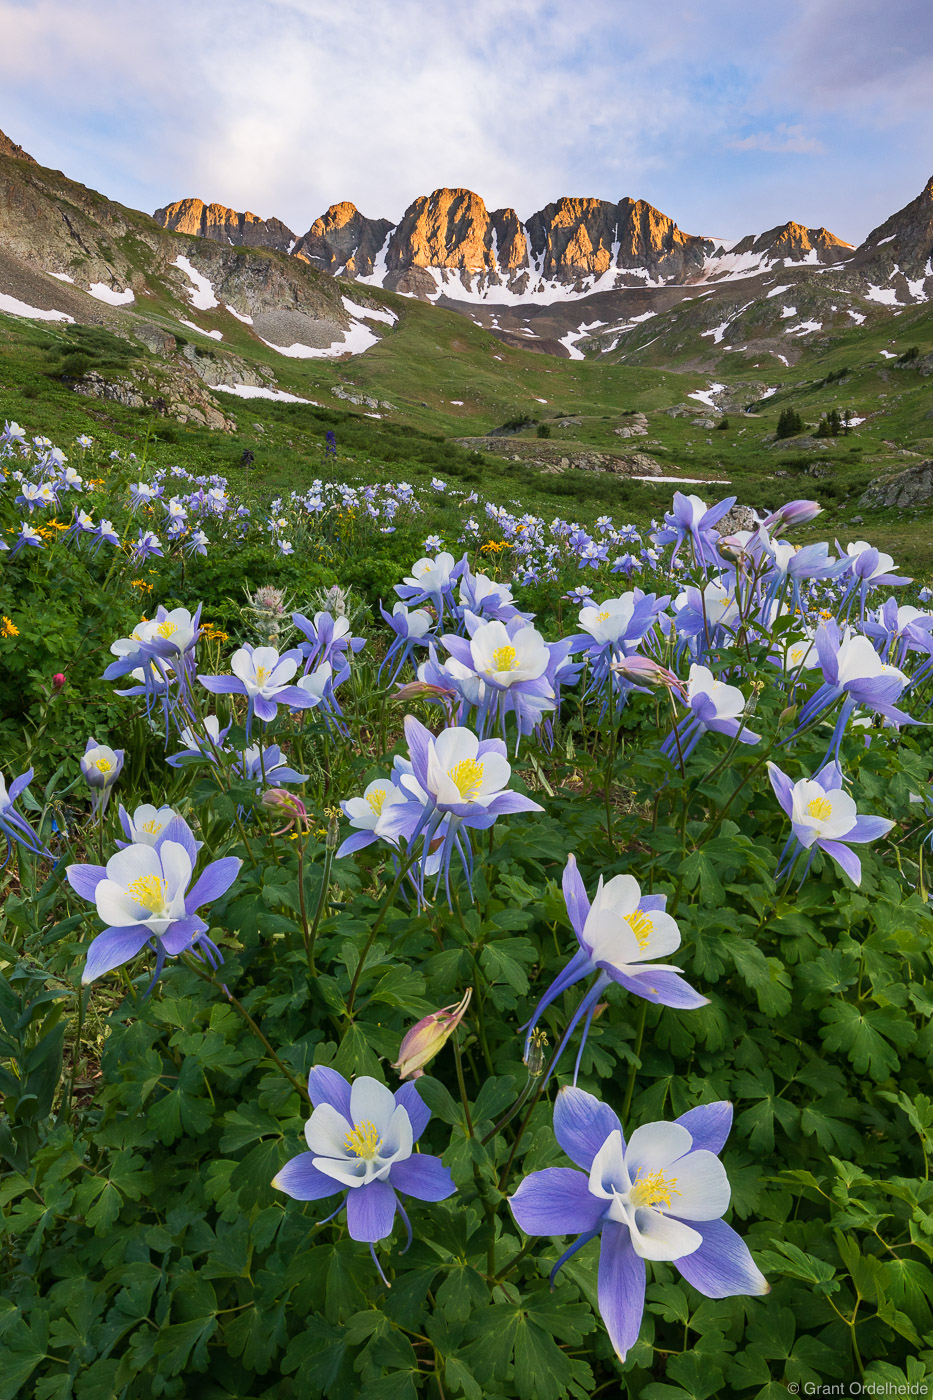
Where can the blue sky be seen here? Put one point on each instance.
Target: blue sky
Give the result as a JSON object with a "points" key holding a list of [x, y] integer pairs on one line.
{"points": [[730, 117]]}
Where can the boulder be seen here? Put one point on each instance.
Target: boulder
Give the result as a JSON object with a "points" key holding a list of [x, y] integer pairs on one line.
{"points": [[908, 488]]}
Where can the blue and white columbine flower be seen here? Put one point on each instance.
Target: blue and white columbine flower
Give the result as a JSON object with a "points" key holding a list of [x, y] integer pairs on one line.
{"points": [[143, 897], [264, 677], [662, 1196], [619, 934], [824, 817], [13, 824], [361, 1140]]}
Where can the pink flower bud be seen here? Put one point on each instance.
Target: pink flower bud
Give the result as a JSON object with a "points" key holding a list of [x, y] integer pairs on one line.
{"points": [[58, 681], [422, 1042], [291, 808], [642, 670]]}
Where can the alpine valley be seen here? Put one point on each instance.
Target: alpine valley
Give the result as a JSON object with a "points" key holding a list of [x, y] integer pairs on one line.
{"points": [[590, 349]]}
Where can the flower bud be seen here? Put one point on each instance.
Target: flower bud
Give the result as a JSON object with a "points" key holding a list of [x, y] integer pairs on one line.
{"points": [[423, 1041], [333, 815], [58, 681], [288, 806], [793, 513], [534, 1059], [642, 670]]}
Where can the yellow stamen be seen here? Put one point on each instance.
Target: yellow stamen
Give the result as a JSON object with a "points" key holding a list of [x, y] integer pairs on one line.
{"points": [[104, 765], [653, 1189], [821, 808], [503, 659], [603, 616], [166, 629], [468, 776], [376, 799], [640, 924], [153, 826], [149, 892], [262, 675], [364, 1141]]}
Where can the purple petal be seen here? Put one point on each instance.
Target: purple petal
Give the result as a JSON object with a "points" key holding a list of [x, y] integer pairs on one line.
{"points": [[215, 879], [575, 896], [223, 685], [265, 709], [459, 649], [179, 831], [556, 1201], [582, 1124], [419, 1114], [371, 1211], [722, 1266], [20, 784], [663, 988], [783, 788], [868, 829], [294, 696], [301, 1180], [327, 1086], [846, 860], [422, 1176], [419, 746], [179, 937], [621, 1287], [709, 1125], [509, 802], [111, 949], [357, 842], [84, 879]]}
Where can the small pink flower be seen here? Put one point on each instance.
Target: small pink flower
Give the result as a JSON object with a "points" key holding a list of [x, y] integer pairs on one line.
{"points": [[58, 681]]}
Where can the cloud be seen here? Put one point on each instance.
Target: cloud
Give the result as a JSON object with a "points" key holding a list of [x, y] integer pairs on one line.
{"points": [[785, 139], [286, 106]]}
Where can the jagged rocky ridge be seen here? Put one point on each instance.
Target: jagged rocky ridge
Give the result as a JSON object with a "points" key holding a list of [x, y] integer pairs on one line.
{"points": [[222, 225]]}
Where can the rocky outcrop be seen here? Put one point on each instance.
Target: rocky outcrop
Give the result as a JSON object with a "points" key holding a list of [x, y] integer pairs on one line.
{"points": [[912, 487], [10, 148], [900, 251], [577, 238], [222, 225], [344, 242], [791, 243]]}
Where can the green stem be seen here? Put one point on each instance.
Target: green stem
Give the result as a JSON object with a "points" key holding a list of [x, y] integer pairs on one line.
{"points": [[462, 1086], [77, 1050], [242, 1011], [633, 1067], [386, 905], [311, 936]]}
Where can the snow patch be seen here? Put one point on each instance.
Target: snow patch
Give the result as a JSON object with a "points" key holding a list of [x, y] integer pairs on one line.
{"points": [[247, 320], [888, 354], [457, 402], [370, 312], [201, 292], [357, 339], [776, 291], [804, 328], [787, 311], [886, 295], [214, 335], [101, 292], [889, 239], [61, 277], [689, 480], [256, 391], [857, 316], [14, 307], [705, 396]]}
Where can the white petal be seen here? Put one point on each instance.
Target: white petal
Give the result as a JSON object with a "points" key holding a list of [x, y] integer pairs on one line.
{"points": [[133, 863], [657, 1236], [371, 1102], [620, 894], [176, 867], [349, 1171], [701, 1186], [454, 745], [664, 937], [609, 1174], [116, 907], [396, 1143], [654, 1146], [611, 940], [326, 1132]]}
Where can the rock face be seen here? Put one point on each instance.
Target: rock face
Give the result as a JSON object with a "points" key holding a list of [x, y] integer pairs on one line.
{"points": [[223, 225], [900, 250], [908, 488], [792, 243], [577, 238], [344, 242], [10, 148]]}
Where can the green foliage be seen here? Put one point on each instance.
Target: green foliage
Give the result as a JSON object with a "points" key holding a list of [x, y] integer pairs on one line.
{"points": [[789, 423]]}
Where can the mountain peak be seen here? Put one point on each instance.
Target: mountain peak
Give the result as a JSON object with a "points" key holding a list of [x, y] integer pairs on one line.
{"points": [[222, 225], [10, 148]]}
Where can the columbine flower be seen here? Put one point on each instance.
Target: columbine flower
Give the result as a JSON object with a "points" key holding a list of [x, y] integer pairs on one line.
{"points": [[854, 672], [263, 677], [823, 817], [361, 1140], [660, 1197], [14, 826], [424, 1040], [101, 768], [711, 704], [619, 934], [142, 896], [691, 518], [370, 815], [146, 824]]}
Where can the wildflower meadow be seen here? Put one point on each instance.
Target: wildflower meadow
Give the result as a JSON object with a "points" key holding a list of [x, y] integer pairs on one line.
{"points": [[450, 953]]}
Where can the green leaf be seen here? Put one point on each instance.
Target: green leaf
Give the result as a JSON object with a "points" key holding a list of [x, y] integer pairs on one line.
{"points": [[866, 1035]]}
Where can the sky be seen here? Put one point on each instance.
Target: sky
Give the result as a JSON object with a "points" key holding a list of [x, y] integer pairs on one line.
{"points": [[730, 116]]}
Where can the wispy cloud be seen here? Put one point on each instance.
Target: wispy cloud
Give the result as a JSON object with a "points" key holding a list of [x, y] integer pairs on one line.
{"points": [[285, 106], [784, 139]]}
